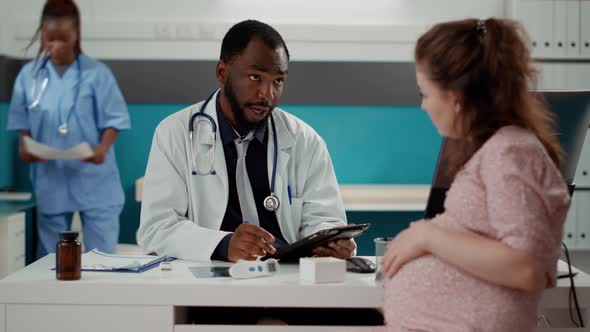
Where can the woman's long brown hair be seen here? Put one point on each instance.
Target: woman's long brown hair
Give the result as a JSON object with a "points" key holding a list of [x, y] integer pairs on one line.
{"points": [[488, 64]]}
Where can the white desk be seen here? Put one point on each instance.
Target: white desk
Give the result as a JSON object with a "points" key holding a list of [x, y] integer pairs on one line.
{"points": [[32, 300], [361, 197]]}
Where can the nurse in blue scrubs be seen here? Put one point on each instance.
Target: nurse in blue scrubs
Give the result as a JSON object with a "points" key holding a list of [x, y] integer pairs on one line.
{"points": [[63, 98]]}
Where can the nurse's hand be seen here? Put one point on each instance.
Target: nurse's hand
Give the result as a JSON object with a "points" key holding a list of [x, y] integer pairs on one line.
{"points": [[27, 157], [98, 156], [249, 242], [23, 153], [342, 249]]}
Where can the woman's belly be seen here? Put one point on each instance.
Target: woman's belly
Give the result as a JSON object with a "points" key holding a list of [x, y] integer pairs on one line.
{"points": [[430, 295]]}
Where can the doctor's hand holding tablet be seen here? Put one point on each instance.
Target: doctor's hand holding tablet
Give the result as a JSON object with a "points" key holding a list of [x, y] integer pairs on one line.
{"points": [[342, 249]]}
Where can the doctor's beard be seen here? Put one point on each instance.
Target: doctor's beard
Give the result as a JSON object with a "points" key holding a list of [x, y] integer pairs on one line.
{"points": [[243, 124]]}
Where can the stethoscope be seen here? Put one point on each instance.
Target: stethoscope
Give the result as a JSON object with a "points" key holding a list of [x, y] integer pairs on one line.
{"points": [[39, 86], [271, 202]]}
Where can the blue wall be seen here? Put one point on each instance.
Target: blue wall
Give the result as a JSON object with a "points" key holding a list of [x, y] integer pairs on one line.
{"points": [[376, 144], [368, 144], [6, 157]]}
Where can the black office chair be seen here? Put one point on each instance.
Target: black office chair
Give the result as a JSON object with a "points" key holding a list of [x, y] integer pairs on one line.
{"points": [[572, 109]]}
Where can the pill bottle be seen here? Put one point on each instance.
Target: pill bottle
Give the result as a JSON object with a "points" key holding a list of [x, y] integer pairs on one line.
{"points": [[68, 257]]}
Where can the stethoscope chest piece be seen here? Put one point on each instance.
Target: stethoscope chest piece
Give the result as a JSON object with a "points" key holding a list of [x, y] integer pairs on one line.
{"points": [[271, 203]]}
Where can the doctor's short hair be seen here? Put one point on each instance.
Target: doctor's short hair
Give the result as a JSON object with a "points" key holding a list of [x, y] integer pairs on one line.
{"points": [[239, 36]]}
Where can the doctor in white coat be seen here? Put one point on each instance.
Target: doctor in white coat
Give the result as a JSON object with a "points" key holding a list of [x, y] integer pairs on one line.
{"points": [[204, 199]]}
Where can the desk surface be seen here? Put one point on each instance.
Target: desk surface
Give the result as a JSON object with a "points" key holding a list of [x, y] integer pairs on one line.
{"points": [[37, 284]]}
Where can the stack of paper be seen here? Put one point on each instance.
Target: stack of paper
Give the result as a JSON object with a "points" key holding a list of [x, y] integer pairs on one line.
{"points": [[80, 151], [96, 260]]}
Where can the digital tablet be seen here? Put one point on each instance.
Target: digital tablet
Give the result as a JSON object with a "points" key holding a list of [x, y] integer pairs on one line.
{"points": [[305, 246]]}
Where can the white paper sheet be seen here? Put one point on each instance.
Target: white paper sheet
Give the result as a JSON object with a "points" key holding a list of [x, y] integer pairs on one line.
{"points": [[97, 260], [80, 151]]}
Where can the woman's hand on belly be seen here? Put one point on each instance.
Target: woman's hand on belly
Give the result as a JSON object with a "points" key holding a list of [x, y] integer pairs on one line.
{"points": [[407, 246]]}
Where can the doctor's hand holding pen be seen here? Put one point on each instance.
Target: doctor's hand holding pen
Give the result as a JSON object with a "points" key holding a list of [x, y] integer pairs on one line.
{"points": [[248, 242]]}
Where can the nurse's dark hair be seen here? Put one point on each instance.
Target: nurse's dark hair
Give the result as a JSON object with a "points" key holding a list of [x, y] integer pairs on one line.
{"points": [[55, 9], [488, 64], [239, 36]]}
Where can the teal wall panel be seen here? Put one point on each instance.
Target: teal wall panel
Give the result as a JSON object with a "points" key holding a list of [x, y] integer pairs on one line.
{"points": [[368, 144], [7, 150], [376, 144]]}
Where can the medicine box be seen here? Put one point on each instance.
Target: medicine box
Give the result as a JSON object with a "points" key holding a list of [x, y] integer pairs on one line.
{"points": [[322, 269]]}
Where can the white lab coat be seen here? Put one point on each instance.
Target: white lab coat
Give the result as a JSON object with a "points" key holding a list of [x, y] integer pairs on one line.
{"points": [[181, 214]]}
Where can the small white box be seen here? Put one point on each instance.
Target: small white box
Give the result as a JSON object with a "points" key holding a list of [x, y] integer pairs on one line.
{"points": [[322, 269]]}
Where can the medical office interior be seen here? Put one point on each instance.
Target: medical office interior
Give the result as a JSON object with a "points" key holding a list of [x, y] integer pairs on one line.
{"points": [[351, 77]]}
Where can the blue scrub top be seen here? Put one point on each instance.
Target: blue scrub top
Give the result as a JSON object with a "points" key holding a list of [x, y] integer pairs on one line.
{"points": [[72, 185]]}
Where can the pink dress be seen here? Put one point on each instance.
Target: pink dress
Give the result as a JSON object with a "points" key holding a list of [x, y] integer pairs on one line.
{"points": [[511, 191]]}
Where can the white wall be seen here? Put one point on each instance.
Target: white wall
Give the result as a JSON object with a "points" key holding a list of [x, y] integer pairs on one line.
{"points": [[4, 24], [331, 30], [339, 30]]}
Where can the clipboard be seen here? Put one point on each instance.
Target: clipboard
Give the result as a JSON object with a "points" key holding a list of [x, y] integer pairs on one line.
{"points": [[97, 261], [305, 246], [135, 269]]}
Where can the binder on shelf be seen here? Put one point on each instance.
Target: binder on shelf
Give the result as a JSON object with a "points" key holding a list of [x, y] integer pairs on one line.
{"points": [[585, 29], [570, 233], [560, 28], [573, 28], [582, 214]]}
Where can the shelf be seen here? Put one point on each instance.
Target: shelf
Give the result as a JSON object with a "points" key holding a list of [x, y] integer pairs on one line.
{"points": [[384, 197], [362, 197]]}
